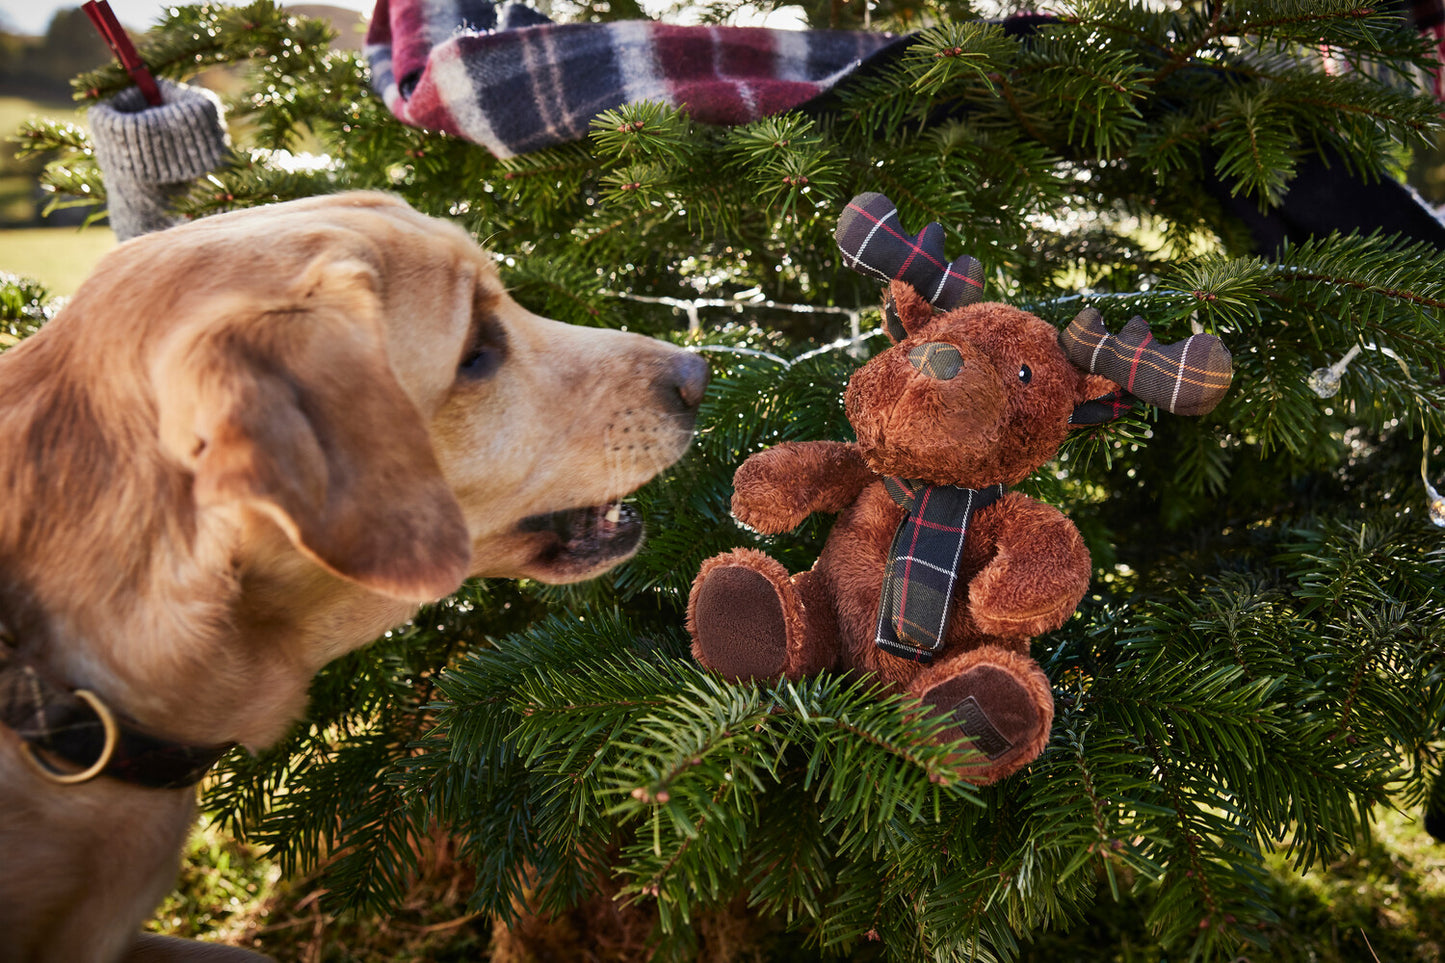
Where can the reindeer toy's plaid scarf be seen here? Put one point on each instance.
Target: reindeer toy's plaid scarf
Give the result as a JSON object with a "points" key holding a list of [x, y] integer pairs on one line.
{"points": [[922, 569], [506, 77]]}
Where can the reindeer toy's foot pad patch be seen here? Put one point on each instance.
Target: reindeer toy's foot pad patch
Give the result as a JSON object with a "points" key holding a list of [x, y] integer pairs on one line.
{"points": [[742, 613], [997, 698]]}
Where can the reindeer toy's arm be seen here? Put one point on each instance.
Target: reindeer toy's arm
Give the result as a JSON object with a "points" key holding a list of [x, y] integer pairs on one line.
{"points": [[774, 490], [1039, 571]]}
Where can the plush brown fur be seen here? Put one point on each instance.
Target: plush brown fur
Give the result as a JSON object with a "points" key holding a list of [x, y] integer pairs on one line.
{"points": [[248, 446], [1024, 567]]}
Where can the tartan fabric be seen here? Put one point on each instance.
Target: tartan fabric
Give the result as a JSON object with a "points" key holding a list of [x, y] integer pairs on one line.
{"points": [[1188, 377], [936, 359], [506, 77], [56, 721], [921, 573], [1104, 408], [1428, 17], [1426, 13], [873, 242]]}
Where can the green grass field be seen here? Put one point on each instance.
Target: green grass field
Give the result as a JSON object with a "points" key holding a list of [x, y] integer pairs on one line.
{"points": [[18, 177], [57, 257], [16, 110]]}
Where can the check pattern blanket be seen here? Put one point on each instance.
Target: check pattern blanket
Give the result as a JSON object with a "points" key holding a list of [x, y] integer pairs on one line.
{"points": [[506, 77]]}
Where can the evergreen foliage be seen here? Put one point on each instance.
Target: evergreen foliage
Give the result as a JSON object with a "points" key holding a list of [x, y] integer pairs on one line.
{"points": [[1257, 666], [24, 307]]}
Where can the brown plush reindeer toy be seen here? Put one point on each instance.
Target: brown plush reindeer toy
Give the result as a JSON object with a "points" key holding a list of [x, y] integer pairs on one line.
{"points": [[935, 577]]}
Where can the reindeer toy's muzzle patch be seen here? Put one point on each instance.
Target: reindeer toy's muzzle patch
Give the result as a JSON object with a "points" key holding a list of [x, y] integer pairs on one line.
{"points": [[937, 359]]}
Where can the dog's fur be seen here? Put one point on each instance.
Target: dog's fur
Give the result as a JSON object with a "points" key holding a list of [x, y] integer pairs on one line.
{"points": [[249, 445]]}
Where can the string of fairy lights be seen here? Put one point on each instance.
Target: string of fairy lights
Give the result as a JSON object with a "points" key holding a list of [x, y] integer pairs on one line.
{"points": [[1324, 382]]}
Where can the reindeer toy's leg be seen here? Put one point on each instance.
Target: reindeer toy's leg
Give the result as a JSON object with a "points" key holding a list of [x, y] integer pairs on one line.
{"points": [[751, 619], [748, 617], [997, 697]]}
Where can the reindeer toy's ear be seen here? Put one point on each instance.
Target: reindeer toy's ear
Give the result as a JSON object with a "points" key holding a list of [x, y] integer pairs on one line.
{"points": [[1187, 377], [874, 242]]}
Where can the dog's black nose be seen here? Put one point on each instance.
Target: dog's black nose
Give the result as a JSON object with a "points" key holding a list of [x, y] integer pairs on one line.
{"points": [[687, 375]]}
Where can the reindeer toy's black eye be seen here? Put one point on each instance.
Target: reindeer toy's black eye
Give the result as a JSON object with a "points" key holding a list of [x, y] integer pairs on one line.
{"points": [[1025, 375]]}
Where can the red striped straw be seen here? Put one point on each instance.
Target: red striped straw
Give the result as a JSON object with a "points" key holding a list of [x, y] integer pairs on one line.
{"points": [[119, 43]]}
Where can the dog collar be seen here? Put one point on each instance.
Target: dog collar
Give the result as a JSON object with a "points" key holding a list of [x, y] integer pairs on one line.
{"points": [[77, 728]]}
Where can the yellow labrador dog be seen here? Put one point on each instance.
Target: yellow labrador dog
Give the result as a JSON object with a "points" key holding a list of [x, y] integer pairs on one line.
{"points": [[247, 446]]}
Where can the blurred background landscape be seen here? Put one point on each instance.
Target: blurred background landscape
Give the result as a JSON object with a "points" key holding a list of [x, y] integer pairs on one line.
{"points": [[57, 247]]}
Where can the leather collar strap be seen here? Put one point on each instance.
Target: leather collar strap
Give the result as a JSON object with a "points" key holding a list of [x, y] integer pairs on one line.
{"points": [[77, 728]]}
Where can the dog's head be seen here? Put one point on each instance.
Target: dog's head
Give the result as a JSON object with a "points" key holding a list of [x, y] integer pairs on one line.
{"points": [[350, 374]]}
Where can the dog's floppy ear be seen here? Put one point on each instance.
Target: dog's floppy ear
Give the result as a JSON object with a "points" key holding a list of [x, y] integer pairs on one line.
{"points": [[293, 409]]}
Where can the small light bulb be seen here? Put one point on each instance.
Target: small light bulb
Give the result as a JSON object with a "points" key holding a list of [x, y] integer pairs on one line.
{"points": [[1325, 382], [1433, 500]]}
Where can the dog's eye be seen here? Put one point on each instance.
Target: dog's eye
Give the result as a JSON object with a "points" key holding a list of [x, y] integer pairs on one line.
{"points": [[1025, 375], [486, 348], [480, 362]]}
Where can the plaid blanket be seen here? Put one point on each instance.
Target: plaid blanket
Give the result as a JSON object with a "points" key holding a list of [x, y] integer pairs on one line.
{"points": [[922, 569], [506, 77]]}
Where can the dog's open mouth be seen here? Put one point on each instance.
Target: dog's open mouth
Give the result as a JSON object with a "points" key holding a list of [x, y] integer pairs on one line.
{"points": [[581, 542]]}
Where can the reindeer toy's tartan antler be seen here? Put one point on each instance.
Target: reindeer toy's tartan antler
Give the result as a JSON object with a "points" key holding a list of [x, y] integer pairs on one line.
{"points": [[874, 242], [1188, 377]]}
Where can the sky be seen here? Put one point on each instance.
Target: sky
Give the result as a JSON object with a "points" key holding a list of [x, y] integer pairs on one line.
{"points": [[33, 16]]}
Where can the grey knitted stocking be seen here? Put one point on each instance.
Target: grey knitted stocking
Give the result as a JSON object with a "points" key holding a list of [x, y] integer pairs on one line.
{"points": [[149, 155]]}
